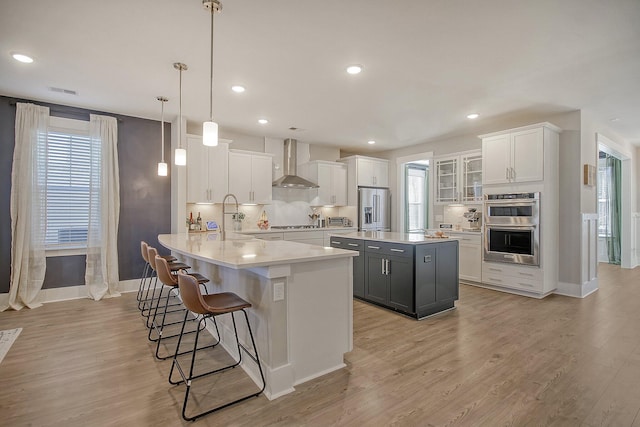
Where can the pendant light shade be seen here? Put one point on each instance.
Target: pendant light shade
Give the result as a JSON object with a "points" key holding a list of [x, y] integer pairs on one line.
{"points": [[210, 128], [162, 166], [180, 155], [210, 134]]}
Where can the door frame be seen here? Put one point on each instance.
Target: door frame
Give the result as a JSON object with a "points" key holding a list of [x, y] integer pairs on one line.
{"points": [[400, 164]]}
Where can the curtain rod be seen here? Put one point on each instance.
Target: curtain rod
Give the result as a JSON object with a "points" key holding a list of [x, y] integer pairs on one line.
{"points": [[68, 112]]}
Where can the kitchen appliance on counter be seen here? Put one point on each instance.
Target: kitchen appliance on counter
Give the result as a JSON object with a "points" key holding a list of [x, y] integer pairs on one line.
{"points": [[374, 209], [512, 228], [474, 218], [339, 221]]}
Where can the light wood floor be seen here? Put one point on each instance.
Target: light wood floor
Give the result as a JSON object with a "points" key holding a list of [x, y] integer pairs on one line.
{"points": [[498, 359]]}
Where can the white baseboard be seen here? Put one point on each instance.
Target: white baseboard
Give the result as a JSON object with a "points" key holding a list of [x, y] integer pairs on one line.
{"points": [[73, 292], [576, 290]]}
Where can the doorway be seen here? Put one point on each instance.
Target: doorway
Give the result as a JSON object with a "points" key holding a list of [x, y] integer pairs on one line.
{"points": [[416, 210], [609, 208]]}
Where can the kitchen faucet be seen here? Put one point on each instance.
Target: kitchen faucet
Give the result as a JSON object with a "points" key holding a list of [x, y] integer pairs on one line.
{"points": [[224, 212]]}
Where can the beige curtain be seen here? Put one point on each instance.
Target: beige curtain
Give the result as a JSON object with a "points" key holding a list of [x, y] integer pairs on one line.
{"points": [[28, 193], [101, 275]]}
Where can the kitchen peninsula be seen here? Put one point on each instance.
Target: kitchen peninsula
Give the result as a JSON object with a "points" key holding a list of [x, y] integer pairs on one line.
{"points": [[407, 272], [301, 296]]}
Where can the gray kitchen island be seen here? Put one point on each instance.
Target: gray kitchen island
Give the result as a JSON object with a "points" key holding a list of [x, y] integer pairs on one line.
{"points": [[409, 273]]}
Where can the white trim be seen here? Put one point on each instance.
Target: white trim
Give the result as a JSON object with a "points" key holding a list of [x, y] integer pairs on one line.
{"points": [[574, 290], [74, 292], [534, 126]]}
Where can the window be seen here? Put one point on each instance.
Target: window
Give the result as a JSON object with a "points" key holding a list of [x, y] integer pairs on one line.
{"points": [[70, 160], [604, 188], [416, 197]]}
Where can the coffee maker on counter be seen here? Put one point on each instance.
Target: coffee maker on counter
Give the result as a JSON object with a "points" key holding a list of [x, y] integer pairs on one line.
{"points": [[474, 218]]}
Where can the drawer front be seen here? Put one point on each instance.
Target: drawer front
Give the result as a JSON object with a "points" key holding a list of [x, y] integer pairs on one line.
{"points": [[512, 282], [467, 238], [346, 243], [519, 272], [388, 248], [268, 236], [302, 235]]}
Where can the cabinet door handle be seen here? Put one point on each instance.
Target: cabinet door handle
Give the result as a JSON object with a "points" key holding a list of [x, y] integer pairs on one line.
{"points": [[513, 174], [373, 247], [397, 250], [352, 244], [383, 270], [388, 266], [506, 174]]}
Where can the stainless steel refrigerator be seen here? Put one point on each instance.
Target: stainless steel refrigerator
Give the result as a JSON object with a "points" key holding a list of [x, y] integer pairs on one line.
{"points": [[374, 209]]}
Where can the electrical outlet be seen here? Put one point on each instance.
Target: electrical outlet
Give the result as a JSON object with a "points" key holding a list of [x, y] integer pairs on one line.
{"points": [[278, 291]]}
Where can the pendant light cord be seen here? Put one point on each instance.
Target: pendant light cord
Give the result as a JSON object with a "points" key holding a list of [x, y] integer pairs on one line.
{"points": [[180, 112], [162, 128], [211, 75]]}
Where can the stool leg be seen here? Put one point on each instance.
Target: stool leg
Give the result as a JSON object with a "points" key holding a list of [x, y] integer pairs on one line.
{"points": [[142, 282]]}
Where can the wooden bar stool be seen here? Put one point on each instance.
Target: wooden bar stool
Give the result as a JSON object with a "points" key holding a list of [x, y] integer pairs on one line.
{"points": [[171, 282], [147, 273], [210, 306], [155, 301]]}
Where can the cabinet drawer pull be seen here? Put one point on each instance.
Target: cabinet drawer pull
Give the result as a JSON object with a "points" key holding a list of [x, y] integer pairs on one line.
{"points": [[493, 279], [333, 242], [526, 284], [495, 269], [397, 250], [525, 274], [352, 244], [373, 247]]}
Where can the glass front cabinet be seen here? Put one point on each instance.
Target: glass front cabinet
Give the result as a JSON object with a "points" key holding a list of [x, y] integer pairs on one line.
{"points": [[458, 179]]}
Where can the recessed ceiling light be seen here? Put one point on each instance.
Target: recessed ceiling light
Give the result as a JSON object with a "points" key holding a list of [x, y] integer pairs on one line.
{"points": [[371, 142], [354, 69], [615, 119], [238, 88], [473, 116], [263, 121], [22, 58]]}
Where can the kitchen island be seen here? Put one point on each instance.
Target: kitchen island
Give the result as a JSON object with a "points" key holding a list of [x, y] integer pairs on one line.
{"points": [[406, 272], [301, 296]]}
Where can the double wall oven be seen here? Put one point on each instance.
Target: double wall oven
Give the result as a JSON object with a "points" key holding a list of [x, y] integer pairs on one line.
{"points": [[512, 228]]}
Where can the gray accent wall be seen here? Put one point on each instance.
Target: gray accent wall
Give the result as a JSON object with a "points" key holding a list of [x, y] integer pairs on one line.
{"points": [[145, 198]]}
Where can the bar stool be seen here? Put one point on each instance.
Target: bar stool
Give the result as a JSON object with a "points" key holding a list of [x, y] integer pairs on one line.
{"points": [[147, 273], [171, 282], [210, 306], [154, 301]]}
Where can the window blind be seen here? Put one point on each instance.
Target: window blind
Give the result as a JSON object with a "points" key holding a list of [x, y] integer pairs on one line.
{"points": [[68, 173]]}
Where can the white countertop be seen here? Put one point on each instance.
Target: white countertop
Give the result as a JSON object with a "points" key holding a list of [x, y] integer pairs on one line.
{"points": [[288, 230], [240, 251], [394, 237]]}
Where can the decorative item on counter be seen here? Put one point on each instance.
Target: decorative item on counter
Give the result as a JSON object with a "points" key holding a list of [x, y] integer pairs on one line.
{"points": [[263, 222], [237, 221], [435, 234], [199, 222], [314, 217]]}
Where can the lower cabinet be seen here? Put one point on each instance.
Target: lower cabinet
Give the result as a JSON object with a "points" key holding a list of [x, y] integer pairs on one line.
{"points": [[389, 275], [437, 282]]}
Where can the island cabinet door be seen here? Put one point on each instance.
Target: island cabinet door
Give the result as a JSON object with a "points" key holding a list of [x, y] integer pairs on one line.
{"points": [[400, 273], [358, 275], [447, 279], [425, 266], [377, 283]]}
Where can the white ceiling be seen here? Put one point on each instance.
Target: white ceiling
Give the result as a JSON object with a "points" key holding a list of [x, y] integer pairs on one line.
{"points": [[427, 64]]}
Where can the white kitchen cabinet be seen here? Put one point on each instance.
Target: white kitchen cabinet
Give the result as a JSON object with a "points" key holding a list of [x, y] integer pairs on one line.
{"points": [[250, 176], [458, 179], [470, 256], [512, 157], [332, 180], [366, 172], [207, 173]]}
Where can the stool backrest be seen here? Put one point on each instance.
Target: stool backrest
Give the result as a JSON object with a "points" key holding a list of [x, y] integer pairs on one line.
{"points": [[153, 252], [164, 273], [144, 248], [190, 294]]}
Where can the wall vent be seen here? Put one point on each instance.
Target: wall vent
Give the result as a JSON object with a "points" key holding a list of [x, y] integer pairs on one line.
{"points": [[61, 90]]}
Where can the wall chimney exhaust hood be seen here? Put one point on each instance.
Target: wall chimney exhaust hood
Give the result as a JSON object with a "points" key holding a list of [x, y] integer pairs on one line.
{"points": [[290, 179]]}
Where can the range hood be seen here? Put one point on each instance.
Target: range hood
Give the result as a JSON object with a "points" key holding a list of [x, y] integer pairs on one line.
{"points": [[289, 165]]}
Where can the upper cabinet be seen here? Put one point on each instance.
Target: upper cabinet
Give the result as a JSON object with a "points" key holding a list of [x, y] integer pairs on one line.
{"points": [[516, 155], [332, 180], [458, 179], [207, 173], [250, 176], [364, 172]]}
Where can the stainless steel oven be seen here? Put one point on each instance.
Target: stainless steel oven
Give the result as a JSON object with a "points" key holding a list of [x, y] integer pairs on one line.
{"points": [[512, 228]]}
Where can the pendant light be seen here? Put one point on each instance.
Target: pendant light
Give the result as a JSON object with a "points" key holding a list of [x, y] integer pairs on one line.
{"points": [[181, 153], [210, 128], [162, 166]]}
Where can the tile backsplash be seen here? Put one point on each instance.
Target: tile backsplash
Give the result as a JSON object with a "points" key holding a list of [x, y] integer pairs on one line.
{"points": [[454, 215]]}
